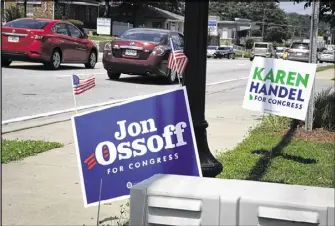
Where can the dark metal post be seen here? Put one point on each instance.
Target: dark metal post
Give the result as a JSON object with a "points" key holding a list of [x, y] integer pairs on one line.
{"points": [[195, 32], [25, 8]]}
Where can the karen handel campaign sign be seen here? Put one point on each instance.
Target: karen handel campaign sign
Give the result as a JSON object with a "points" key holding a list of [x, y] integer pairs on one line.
{"points": [[280, 87], [132, 141]]}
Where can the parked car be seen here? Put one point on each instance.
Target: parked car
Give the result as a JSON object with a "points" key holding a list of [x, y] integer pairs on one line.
{"points": [[222, 52], [211, 50], [327, 56], [141, 51], [50, 42], [280, 52], [262, 49], [298, 51]]}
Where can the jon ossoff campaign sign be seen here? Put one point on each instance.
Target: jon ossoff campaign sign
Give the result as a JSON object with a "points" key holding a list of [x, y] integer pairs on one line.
{"points": [[132, 141]]}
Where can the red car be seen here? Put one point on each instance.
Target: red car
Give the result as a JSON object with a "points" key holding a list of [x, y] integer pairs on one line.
{"points": [[50, 42], [141, 51]]}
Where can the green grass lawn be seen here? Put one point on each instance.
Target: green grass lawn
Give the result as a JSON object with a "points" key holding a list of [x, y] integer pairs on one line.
{"points": [[298, 162], [101, 38], [13, 150], [324, 68]]}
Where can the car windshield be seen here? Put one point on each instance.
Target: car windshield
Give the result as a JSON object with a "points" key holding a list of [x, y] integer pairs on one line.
{"points": [[300, 46], [150, 36], [259, 45], [224, 48], [279, 50], [211, 47], [27, 23]]}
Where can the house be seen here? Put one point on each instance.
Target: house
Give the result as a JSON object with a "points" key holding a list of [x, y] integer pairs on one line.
{"points": [[147, 16], [231, 32], [83, 10]]}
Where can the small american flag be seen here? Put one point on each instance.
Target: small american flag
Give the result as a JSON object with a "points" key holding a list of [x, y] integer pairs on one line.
{"points": [[179, 62], [82, 85]]}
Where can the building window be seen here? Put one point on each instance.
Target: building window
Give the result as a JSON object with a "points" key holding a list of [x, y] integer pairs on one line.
{"points": [[156, 24], [30, 9]]}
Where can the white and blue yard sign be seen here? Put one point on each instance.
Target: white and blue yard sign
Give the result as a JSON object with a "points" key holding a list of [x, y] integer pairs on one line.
{"points": [[129, 142]]}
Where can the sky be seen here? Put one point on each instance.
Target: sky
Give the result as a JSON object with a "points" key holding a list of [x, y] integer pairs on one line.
{"points": [[290, 7]]}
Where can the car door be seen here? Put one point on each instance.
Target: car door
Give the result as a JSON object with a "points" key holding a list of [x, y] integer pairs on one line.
{"points": [[80, 48], [62, 40]]}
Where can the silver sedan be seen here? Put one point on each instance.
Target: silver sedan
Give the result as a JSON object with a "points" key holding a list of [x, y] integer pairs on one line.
{"points": [[327, 56]]}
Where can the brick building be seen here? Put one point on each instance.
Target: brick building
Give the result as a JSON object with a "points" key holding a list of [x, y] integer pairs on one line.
{"points": [[84, 10]]}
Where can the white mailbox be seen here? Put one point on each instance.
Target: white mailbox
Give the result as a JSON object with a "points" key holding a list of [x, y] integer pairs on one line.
{"points": [[184, 200]]}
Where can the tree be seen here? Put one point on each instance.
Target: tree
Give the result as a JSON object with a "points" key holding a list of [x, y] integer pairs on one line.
{"points": [[327, 10], [12, 13], [249, 43], [256, 11]]}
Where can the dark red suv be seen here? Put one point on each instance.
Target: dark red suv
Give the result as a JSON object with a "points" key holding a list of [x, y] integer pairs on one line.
{"points": [[51, 42], [141, 51]]}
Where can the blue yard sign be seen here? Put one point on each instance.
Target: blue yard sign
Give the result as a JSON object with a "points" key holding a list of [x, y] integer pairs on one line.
{"points": [[132, 141]]}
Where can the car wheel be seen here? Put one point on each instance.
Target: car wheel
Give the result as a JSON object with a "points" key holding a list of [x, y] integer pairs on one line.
{"points": [[320, 61], [172, 77], [251, 58], [56, 59], [92, 60], [233, 56], [113, 75], [5, 63]]}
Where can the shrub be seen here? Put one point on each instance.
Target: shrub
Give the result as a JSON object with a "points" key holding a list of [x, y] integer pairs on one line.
{"points": [[77, 23], [324, 110], [12, 13], [249, 43], [240, 53]]}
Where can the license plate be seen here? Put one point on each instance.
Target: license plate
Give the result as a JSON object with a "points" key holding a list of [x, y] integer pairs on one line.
{"points": [[13, 39], [130, 52]]}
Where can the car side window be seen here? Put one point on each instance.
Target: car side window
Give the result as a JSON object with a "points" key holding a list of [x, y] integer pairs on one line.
{"points": [[176, 40], [60, 29], [74, 31], [181, 38]]}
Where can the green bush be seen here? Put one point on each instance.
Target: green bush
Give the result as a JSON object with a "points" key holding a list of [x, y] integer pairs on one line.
{"points": [[249, 43], [239, 53], [12, 13], [324, 110], [77, 23]]}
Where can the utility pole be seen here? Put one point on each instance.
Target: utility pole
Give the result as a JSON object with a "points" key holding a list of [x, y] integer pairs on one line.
{"points": [[313, 59], [263, 24], [293, 33]]}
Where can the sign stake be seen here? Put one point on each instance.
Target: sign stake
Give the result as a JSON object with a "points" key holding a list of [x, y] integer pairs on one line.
{"points": [[98, 215], [74, 96]]}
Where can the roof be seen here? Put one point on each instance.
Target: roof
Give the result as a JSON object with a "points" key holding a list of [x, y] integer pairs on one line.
{"points": [[168, 14]]}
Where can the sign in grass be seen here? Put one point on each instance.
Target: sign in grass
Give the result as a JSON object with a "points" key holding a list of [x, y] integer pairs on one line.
{"points": [[280, 87]]}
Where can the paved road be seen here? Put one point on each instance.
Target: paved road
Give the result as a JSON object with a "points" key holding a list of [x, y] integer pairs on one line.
{"points": [[29, 90]]}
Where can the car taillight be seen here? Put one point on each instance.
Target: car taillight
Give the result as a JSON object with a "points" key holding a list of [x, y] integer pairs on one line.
{"points": [[290, 51], [108, 47], [158, 51]]}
